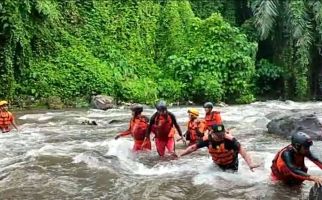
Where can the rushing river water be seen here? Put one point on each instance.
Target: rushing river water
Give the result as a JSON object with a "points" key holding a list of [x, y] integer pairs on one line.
{"points": [[55, 157]]}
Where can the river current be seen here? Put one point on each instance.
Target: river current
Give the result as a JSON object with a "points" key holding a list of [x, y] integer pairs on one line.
{"points": [[54, 156]]}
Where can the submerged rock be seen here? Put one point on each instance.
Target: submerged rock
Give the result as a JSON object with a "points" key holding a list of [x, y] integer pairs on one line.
{"points": [[87, 122], [118, 121]]}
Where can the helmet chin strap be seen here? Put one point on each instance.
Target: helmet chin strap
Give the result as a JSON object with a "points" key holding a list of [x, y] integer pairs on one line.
{"points": [[297, 147]]}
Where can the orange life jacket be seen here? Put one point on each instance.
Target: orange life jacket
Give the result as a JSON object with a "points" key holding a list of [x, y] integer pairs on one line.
{"points": [[163, 127], [139, 127], [6, 119], [220, 155], [280, 169], [213, 118], [193, 126]]}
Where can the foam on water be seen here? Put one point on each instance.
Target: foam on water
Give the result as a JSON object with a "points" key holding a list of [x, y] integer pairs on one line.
{"points": [[61, 135]]}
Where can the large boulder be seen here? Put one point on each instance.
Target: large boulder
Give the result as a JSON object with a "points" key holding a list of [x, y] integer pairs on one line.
{"points": [[315, 193], [102, 102], [55, 102], [300, 121]]}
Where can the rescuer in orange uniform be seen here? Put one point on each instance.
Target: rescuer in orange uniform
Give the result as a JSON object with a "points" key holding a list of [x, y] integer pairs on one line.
{"points": [[6, 118], [137, 129], [223, 148], [211, 117], [288, 165], [163, 124], [195, 127]]}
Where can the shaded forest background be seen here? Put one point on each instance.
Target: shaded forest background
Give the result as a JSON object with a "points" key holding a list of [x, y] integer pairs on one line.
{"points": [[235, 51]]}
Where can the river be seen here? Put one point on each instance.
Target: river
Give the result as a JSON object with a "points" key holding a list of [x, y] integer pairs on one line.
{"points": [[54, 156]]}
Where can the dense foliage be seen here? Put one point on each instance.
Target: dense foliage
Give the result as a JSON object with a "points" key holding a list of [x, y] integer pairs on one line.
{"points": [[143, 50], [289, 33]]}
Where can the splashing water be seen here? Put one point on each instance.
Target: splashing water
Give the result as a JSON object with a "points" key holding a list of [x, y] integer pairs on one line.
{"points": [[55, 157]]}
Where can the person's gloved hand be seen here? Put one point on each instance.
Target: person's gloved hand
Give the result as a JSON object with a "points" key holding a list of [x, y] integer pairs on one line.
{"points": [[253, 166], [117, 137], [317, 180]]}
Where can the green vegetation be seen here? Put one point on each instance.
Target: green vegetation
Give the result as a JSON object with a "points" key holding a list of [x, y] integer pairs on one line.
{"points": [[143, 50]]}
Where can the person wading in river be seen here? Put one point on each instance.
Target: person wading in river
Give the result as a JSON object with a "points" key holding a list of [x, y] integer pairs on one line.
{"points": [[223, 148], [211, 117], [288, 165], [6, 118], [163, 124], [137, 129], [195, 127]]}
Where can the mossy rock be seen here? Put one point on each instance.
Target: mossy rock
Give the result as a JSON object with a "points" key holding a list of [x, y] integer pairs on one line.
{"points": [[55, 102]]}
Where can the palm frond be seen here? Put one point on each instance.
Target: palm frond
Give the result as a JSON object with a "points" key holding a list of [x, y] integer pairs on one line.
{"points": [[265, 12], [297, 19], [300, 25], [316, 7]]}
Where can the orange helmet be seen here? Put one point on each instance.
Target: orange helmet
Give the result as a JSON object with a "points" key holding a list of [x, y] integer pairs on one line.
{"points": [[193, 111]]}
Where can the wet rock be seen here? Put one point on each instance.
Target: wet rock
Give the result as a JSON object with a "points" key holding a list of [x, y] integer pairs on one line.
{"points": [[55, 102], [221, 104], [315, 193], [278, 114], [102, 102], [87, 122], [302, 121], [118, 121]]}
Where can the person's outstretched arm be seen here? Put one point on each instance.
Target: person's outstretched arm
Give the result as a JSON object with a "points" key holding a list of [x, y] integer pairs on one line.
{"points": [[152, 122], [287, 157], [247, 159], [314, 159], [12, 121], [124, 133], [15, 125], [174, 121], [194, 147], [188, 150]]}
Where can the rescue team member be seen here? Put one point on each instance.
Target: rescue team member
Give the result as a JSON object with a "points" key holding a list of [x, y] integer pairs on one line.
{"points": [[223, 149], [163, 124], [6, 118], [288, 165], [137, 129], [195, 127], [211, 117]]}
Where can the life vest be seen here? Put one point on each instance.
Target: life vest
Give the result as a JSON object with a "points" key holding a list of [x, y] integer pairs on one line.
{"points": [[192, 127], [6, 119], [163, 127], [282, 172], [213, 118], [139, 127], [220, 155]]}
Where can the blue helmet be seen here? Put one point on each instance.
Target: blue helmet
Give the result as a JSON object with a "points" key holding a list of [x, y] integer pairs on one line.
{"points": [[208, 105], [301, 139], [161, 106]]}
